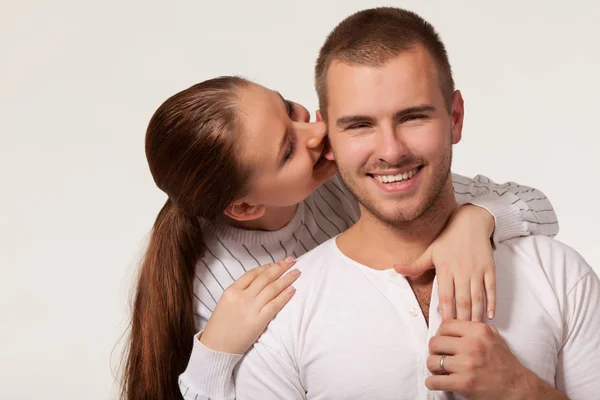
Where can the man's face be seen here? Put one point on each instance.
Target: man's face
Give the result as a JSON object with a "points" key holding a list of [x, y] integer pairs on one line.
{"points": [[391, 133]]}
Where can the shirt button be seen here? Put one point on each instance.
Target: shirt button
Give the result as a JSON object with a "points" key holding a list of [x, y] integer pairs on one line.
{"points": [[413, 311]]}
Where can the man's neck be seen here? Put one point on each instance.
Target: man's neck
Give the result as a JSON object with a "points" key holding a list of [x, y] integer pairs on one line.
{"points": [[380, 245]]}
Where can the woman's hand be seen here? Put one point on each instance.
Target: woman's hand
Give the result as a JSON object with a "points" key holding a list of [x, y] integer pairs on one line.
{"points": [[463, 259], [247, 306]]}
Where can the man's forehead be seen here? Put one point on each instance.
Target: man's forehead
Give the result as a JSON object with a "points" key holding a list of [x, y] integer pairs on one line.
{"points": [[400, 77]]}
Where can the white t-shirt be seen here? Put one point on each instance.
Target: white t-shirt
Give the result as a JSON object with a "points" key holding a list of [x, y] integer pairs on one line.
{"points": [[331, 209], [351, 332]]}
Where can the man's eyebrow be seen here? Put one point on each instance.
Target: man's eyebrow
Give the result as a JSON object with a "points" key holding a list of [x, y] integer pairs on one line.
{"points": [[346, 120], [424, 108]]}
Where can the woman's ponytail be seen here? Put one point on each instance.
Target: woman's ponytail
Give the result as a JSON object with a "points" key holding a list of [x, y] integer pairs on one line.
{"points": [[163, 321], [191, 145]]}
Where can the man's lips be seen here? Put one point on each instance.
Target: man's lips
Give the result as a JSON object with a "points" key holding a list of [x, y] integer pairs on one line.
{"points": [[395, 174]]}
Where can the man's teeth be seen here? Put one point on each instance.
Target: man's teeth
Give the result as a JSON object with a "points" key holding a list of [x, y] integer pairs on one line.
{"points": [[396, 178]]}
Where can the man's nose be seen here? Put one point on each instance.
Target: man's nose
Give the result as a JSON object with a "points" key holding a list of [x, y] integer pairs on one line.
{"points": [[389, 146]]}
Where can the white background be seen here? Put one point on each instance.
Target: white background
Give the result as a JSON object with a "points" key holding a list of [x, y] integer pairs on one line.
{"points": [[79, 81]]}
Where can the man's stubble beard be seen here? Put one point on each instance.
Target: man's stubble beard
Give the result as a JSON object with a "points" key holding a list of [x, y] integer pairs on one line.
{"points": [[425, 212]]}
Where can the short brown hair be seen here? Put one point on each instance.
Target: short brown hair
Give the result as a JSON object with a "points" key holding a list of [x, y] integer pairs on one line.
{"points": [[373, 37]]}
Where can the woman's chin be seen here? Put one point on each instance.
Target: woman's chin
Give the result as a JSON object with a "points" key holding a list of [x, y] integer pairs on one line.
{"points": [[324, 169], [324, 174]]}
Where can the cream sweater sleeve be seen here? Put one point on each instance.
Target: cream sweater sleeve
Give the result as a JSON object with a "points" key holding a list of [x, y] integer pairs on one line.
{"points": [[209, 374], [518, 210]]}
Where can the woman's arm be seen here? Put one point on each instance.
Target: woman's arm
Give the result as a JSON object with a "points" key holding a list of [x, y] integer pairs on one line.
{"points": [[208, 374], [463, 253], [241, 315], [518, 210]]}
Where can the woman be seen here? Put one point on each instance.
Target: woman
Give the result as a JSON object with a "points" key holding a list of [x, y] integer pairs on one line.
{"points": [[248, 186]]}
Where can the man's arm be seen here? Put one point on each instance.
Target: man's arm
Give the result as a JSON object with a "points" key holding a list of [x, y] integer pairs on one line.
{"points": [[536, 388], [578, 370], [479, 365]]}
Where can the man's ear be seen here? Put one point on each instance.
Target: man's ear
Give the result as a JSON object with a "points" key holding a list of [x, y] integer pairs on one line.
{"points": [[328, 153], [458, 116], [241, 211], [319, 116]]}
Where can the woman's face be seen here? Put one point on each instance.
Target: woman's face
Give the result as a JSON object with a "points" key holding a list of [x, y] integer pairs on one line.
{"points": [[283, 150]]}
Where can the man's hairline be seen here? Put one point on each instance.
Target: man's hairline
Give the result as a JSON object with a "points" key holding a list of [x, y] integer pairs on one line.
{"points": [[338, 60]]}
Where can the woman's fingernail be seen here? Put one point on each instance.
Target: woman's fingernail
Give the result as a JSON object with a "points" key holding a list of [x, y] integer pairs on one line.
{"points": [[295, 272], [289, 259], [490, 314]]}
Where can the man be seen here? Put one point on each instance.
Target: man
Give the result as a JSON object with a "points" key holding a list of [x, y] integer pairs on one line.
{"points": [[356, 329]]}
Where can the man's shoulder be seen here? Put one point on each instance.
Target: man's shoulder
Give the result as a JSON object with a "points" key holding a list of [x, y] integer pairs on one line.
{"points": [[543, 247], [558, 261], [320, 268], [317, 267], [316, 261]]}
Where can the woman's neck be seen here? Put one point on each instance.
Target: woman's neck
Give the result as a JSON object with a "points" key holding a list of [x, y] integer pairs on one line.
{"points": [[273, 219]]}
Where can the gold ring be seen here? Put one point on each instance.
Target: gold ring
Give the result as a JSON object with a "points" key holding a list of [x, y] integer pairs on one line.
{"points": [[442, 359]]}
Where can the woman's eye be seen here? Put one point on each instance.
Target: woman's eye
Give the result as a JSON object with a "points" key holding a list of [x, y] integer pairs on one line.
{"points": [[290, 152], [290, 107]]}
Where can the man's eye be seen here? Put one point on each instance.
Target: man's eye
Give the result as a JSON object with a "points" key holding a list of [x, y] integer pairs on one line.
{"points": [[358, 126], [413, 117]]}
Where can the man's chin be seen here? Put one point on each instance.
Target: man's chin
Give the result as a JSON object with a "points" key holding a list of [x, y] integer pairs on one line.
{"points": [[394, 213]]}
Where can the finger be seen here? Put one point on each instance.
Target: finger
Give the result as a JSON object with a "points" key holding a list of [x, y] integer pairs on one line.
{"points": [[455, 328], [269, 275], [434, 364], [439, 345], [477, 292], [410, 270], [270, 310], [245, 280], [462, 291], [418, 267], [274, 289], [489, 280], [446, 296], [479, 331], [442, 382]]}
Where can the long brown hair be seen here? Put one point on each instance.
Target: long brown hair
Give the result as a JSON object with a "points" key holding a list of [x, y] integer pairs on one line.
{"points": [[190, 147]]}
